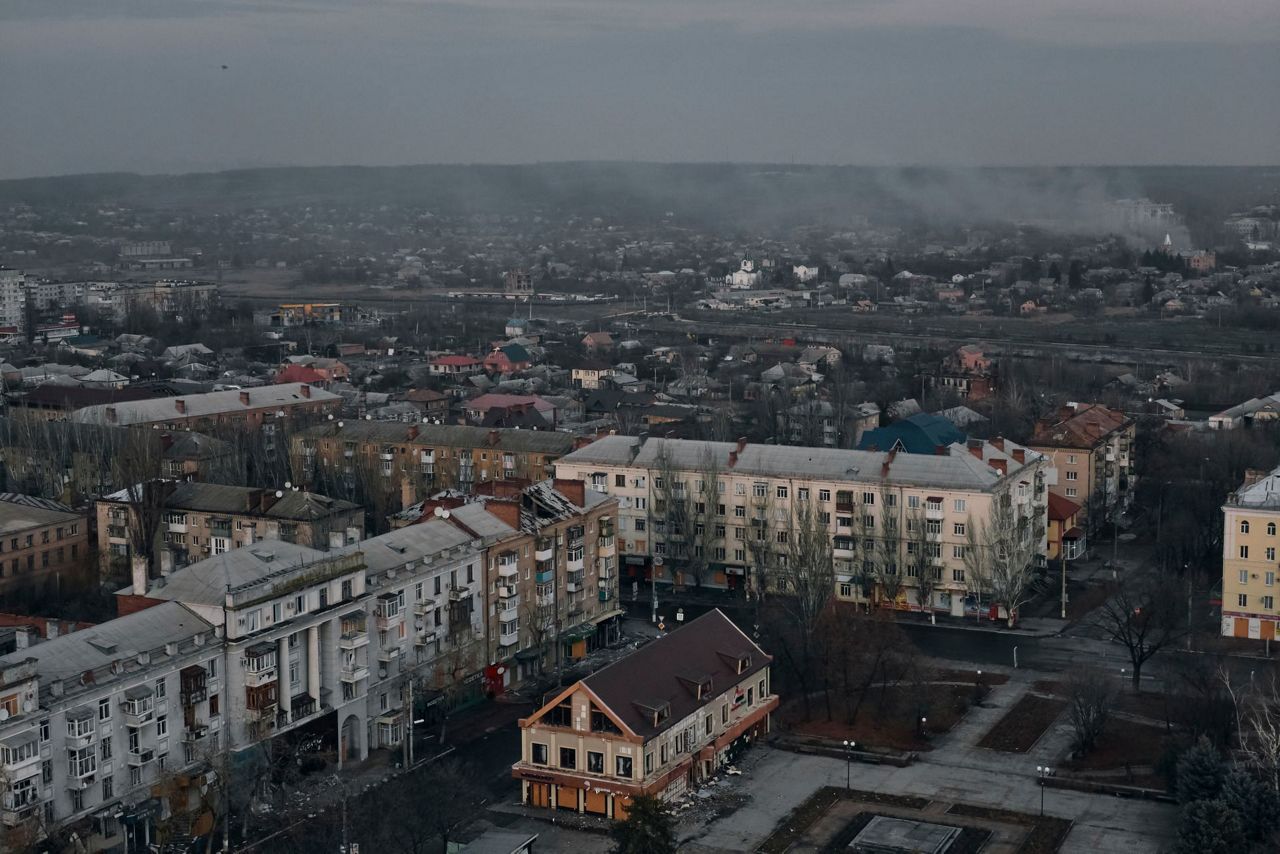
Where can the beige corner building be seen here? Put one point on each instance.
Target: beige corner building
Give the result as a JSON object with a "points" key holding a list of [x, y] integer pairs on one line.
{"points": [[1250, 538]]}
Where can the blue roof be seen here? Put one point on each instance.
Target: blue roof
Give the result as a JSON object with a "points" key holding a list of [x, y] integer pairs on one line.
{"points": [[922, 433]]}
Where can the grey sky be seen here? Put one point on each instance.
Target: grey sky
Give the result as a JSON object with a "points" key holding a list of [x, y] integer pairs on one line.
{"points": [[93, 85]]}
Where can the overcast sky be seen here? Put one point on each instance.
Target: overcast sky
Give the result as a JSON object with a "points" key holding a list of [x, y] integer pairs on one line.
{"points": [[95, 85]]}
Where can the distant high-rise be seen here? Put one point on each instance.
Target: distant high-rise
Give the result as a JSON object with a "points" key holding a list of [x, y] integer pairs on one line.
{"points": [[13, 302], [518, 282]]}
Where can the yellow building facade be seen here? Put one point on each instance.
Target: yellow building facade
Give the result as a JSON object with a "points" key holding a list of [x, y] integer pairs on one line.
{"points": [[1250, 543]]}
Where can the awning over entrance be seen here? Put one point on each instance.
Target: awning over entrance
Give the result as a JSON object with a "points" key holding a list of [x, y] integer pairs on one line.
{"points": [[577, 633], [607, 615]]}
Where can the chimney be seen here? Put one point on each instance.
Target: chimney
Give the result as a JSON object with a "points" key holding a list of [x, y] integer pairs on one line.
{"points": [[244, 398], [507, 511], [574, 490], [180, 405], [1001, 466], [304, 389], [742, 444], [941, 451], [976, 450], [166, 441], [494, 435], [413, 432], [582, 441], [1020, 456], [998, 441], [733, 459]]}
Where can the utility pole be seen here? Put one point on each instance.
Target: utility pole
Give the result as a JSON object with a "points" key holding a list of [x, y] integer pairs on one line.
{"points": [[408, 724]]}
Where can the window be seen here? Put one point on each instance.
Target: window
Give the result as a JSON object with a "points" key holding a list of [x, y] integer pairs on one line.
{"points": [[1270, 553], [708, 724], [1071, 459], [740, 511], [135, 776], [1244, 576], [869, 522], [958, 552], [1271, 579], [783, 536], [160, 688], [213, 705], [913, 502], [1271, 529], [869, 498], [642, 503], [620, 480], [1244, 552], [568, 758], [760, 490], [108, 788], [1072, 492], [538, 754], [44, 731], [802, 493], [1071, 475], [595, 762], [739, 489], [960, 505], [1242, 600], [640, 525], [958, 529], [104, 709], [824, 495], [1269, 602], [622, 765], [162, 725], [846, 591], [783, 492], [1244, 526], [46, 772], [957, 575], [77, 800], [105, 747]]}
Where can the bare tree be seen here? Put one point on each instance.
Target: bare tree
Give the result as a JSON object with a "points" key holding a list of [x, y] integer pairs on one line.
{"points": [[1259, 725], [918, 560], [890, 568], [1089, 695], [673, 506], [764, 558], [807, 581], [998, 555], [1142, 615]]}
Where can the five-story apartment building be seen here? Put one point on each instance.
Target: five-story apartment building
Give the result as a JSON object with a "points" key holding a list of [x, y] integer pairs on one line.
{"points": [[1250, 540]]}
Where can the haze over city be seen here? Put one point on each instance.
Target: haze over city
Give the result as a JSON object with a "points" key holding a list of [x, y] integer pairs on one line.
{"points": [[140, 85]]}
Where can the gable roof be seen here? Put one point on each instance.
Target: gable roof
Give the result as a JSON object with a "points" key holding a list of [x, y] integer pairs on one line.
{"points": [[661, 672], [1080, 426], [922, 433], [1061, 508]]}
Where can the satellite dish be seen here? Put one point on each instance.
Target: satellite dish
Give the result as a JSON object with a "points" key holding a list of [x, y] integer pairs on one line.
{"points": [[279, 494], [368, 418], [330, 416], [287, 484], [4, 714], [382, 673], [28, 705], [339, 423], [425, 419]]}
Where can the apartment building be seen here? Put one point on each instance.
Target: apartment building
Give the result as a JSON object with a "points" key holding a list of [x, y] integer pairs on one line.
{"points": [[1249, 565], [93, 720], [42, 543], [551, 578], [283, 610], [193, 520], [1091, 447], [892, 516], [657, 722], [13, 303], [260, 407], [414, 461]]}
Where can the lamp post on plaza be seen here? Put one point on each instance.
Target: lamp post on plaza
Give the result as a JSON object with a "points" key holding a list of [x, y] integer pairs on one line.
{"points": [[848, 760], [1042, 771]]}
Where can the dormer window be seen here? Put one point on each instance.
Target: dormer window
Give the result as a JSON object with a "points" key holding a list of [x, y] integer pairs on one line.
{"points": [[657, 711], [744, 663]]}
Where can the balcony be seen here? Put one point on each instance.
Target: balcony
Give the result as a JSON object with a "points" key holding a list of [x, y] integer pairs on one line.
{"points": [[390, 614], [259, 665], [353, 671], [300, 707], [388, 654], [80, 729], [607, 547], [18, 805], [424, 637], [575, 564], [193, 685], [353, 640], [508, 568], [138, 758], [424, 608], [934, 511], [177, 527], [82, 782], [117, 532], [138, 707], [573, 581], [544, 551], [605, 595], [195, 732], [459, 593], [20, 757], [507, 608], [545, 600], [545, 575], [509, 638]]}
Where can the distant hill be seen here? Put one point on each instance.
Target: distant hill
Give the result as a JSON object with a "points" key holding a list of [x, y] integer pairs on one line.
{"points": [[749, 195]]}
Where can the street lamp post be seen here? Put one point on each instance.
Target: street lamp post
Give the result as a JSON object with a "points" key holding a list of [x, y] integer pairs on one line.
{"points": [[920, 726], [1042, 771], [848, 760], [977, 688]]}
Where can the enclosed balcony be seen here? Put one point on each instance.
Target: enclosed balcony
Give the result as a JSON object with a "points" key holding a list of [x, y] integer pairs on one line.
{"points": [[140, 756], [508, 567], [353, 669], [80, 728], [509, 634], [193, 685], [390, 611], [138, 706], [20, 802], [574, 580], [259, 665], [544, 550], [20, 757]]}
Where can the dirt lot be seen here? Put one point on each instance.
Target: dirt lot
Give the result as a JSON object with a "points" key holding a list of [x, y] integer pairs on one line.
{"points": [[895, 726], [1022, 726]]}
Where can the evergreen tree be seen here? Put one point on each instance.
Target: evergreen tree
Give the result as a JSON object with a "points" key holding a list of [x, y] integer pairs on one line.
{"points": [[1055, 273], [647, 829], [1254, 801], [1200, 773], [1075, 273], [1209, 827]]}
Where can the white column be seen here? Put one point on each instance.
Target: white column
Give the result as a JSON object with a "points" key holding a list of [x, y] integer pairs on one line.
{"points": [[283, 688], [313, 662]]}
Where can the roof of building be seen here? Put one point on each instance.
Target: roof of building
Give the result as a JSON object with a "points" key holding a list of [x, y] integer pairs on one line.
{"points": [[668, 670], [301, 374], [446, 435], [959, 468], [922, 433], [484, 402], [22, 512], [74, 654], [206, 582], [455, 360], [395, 548], [1082, 425], [1061, 508], [203, 405], [77, 397], [248, 500], [1263, 493]]}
